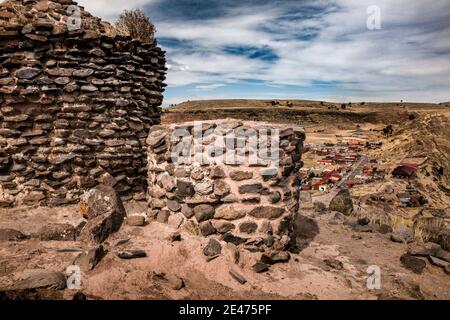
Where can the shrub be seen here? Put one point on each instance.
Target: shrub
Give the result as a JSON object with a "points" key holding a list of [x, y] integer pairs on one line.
{"points": [[136, 24]]}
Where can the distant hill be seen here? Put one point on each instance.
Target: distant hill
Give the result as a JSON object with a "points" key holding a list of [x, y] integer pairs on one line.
{"points": [[241, 103], [296, 111]]}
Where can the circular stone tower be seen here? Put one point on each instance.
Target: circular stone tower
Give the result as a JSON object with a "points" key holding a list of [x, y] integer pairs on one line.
{"points": [[76, 104]]}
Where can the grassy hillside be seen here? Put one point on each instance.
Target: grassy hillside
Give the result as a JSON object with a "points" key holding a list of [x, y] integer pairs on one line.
{"points": [[301, 112]]}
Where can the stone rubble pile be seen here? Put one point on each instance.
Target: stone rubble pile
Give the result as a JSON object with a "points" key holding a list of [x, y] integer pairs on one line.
{"points": [[205, 178], [75, 105]]}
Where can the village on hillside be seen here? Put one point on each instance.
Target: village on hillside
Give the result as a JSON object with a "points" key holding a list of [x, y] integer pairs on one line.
{"points": [[351, 161]]}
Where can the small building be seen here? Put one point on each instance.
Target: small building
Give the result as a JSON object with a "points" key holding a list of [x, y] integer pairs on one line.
{"points": [[325, 161], [405, 171], [351, 183]]}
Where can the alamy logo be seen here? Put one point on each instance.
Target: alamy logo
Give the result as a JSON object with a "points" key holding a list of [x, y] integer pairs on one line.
{"points": [[74, 278], [374, 18], [225, 146], [374, 279], [74, 19]]}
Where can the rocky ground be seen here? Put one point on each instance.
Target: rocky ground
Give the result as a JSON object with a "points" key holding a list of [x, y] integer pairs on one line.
{"points": [[333, 264], [337, 248]]}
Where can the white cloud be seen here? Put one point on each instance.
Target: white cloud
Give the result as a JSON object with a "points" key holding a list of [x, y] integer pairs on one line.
{"points": [[408, 57], [209, 86], [399, 60], [111, 9]]}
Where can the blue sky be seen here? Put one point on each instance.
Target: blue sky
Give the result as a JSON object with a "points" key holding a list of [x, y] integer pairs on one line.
{"points": [[299, 49]]}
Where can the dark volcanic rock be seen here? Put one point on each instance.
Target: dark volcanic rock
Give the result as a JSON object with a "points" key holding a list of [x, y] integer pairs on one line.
{"points": [[424, 250], [230, 238], [260, 267], [213, 248], [27, 73], [132, 254], [136, 221], [11, 235], [342, 202], [173, 205], [384, 229], [403, 235], [438, 262], [335, 264], [241, 175], [412, 263], [270, 213], [363, 221], [274, 257], [89, 259], [99, 201], [248, 227], [184, 189], [255, 188], [47, 280], [238, 277], [207, 229], [57, 232], [105, 212], [362, 228], [275, 197], [204, 212], [304, 231]]}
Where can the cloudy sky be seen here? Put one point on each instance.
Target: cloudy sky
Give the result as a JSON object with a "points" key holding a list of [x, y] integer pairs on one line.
{"points": [[299, 49]]}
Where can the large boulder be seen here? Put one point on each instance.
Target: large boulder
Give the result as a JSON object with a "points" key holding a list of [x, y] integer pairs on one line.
{"points": [[105, 212], [342, 203]]}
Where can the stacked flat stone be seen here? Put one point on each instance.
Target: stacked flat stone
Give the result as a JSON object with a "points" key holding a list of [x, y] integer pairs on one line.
{"points": [[75, 105], [244, 201]]}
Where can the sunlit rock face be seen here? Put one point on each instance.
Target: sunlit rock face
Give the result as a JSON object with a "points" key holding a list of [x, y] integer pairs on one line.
{"points": [[234, 179]]}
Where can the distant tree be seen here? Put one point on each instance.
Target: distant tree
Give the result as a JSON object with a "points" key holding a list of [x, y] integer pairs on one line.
{"points": [[274, 103], [343, 106], [136, 24]]}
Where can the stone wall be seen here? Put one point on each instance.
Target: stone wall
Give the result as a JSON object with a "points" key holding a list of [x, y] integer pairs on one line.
{"points": [[235, 179], [75, 105]]}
